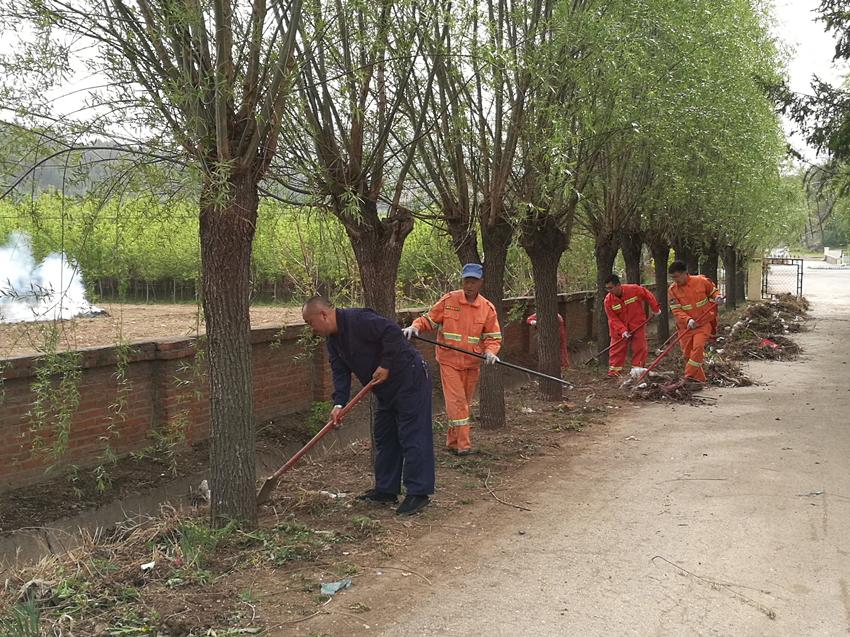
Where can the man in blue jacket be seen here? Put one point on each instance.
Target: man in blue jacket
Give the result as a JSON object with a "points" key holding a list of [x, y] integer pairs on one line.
{"points": [[373, 348]]}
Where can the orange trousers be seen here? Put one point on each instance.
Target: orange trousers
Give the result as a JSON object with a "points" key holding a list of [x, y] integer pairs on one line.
{"points": [[693, 347], [619, 349], [458, 388]]}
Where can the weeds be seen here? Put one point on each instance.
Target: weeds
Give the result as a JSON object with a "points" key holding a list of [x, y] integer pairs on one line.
{"points": [[318, 417], [23, 620]]}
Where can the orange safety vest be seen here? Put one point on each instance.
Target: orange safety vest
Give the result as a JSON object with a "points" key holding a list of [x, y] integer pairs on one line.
{"points": [[473, 326]]}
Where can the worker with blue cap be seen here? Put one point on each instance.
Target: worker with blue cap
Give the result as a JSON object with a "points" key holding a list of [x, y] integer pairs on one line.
{"points": [[465, 319]]}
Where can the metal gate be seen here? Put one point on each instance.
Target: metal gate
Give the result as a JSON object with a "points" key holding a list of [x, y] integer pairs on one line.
{"points": [[781, 276]]}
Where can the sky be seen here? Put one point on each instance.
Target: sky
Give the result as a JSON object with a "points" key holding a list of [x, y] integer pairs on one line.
{"points": [[811, 49]]}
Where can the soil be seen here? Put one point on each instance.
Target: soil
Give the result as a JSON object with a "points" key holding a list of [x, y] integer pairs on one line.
{"points": [[270, 578], [126, 322], [66, 495]]}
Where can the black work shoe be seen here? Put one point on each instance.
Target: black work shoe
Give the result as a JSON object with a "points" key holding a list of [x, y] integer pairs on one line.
{"points": [[373, 495], [464, 452], [413, 504]]}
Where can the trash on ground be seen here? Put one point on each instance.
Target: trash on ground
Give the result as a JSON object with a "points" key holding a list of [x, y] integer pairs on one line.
{"points": [[329, 589]]}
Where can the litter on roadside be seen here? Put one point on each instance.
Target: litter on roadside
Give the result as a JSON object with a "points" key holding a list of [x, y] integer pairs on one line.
{"points": [[329, 589]]}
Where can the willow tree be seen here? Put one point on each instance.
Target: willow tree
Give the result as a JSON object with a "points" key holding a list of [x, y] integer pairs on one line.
{"points": [[204, 84], [479, 53], [349, 146]]}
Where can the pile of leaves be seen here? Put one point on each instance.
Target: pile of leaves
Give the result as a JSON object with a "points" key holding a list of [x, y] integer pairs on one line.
{"points": [[723, 372], [752, 346], [761, 332]]}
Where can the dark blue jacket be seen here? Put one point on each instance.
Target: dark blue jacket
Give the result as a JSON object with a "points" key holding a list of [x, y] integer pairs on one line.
{"points": [[365, 341]]}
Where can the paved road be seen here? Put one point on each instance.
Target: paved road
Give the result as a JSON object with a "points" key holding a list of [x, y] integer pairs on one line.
{"points": [[732, 519]]}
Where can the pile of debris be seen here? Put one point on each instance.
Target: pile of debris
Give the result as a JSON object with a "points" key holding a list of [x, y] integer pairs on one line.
{"points": [[725, 373], [676, 390], [760, 333], [752, 346]]}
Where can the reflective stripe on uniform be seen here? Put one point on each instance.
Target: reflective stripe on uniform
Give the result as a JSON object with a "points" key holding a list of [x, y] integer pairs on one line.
{"points": [[701, 303], [449, 336], [459, 423], [694, 363], [434, 324], [473, 339], [631, 300], [617, 307], [496, 336], [615, 369], [675, 306], [687, 307]]}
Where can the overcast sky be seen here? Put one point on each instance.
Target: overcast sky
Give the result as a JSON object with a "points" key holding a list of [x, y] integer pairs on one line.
{"points": [[811, 50]]}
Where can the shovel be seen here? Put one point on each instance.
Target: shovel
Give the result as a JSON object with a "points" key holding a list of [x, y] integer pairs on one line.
{"points": [[274, 479]]}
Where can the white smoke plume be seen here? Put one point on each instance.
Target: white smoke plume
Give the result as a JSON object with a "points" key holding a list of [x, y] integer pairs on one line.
{"points": [[50, 291]]}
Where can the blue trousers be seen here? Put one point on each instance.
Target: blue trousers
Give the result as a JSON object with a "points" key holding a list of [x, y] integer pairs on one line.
{"points": [[404, 440]]}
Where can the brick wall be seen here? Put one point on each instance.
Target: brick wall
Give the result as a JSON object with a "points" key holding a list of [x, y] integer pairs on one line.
{"points": [[165, 389]]}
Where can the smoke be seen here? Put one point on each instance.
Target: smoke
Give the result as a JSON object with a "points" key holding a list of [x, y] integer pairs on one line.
{"points": [[50, 291]]}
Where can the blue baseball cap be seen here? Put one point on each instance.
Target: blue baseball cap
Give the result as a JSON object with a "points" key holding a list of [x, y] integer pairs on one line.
{"points": [[473, 270]]}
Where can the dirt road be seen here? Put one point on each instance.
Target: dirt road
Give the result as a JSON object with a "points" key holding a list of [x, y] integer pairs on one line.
{"points": [[731, 519]]}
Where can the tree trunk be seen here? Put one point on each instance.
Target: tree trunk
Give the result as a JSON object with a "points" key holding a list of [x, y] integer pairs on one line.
{"points": [[545, 242], [226, 235], [660, 255], [692, 261], [730, 266], [710, 262], [606, 253], [377, 248], [632, 246], [680, 251], [740, 278], [496, 239], [464, 240]]}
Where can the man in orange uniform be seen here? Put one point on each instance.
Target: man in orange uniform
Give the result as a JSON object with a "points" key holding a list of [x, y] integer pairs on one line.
{"points": [[627, 322], [465, 319], [693, 301]]}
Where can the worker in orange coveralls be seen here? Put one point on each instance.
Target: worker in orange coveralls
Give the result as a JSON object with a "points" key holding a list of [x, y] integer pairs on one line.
{"points": [[565, 353], [627, 322], [466, 319], [693, 300]]}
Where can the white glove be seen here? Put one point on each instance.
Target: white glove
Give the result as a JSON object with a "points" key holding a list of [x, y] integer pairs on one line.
{"points": [[490, 358], [692, 324], [658, 313], [533, 323], [410, 332], [720, 300], [627, 335]]}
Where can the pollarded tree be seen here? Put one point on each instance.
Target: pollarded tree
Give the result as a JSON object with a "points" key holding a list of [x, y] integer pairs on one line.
{"points": [[350, 143], [466, 160], [205, 84]]}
